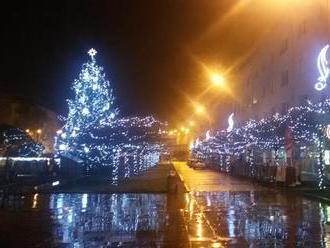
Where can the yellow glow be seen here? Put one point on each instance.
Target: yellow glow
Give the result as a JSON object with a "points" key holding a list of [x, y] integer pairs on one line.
{"points": [[171, 132], [216, 245], [217, 79], [39, 131], [187, 130], [27, 130], [35, 201], [199, 226], [199, 109], [187, 199], [191, 123]]}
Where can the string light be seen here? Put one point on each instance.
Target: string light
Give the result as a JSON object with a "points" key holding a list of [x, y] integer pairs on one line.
{"points": [[17, 143], [93, 132], [308, 123]]}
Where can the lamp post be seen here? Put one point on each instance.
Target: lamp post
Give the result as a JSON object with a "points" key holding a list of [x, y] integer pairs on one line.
{"points": [[322, 81]]}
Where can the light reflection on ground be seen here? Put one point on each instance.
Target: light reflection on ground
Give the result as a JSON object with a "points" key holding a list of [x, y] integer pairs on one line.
{"points": [[201, 219], [87, 220], [257, 219], [93, 220]]}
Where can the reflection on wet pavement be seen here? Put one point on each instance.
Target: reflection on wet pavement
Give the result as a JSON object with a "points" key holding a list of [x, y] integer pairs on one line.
{"points": [[256, 219], [99, 219], [200, 219], [90, 220]]}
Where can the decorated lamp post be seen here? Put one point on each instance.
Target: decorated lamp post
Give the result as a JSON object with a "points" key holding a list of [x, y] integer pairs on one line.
{"points": [[322, 81]]}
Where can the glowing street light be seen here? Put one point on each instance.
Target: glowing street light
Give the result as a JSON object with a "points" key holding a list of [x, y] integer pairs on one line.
{"points": [[39, 131], [217, 79], [199, 109]]}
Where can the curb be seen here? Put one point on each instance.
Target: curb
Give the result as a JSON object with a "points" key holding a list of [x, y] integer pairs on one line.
{"points": [[185, 186]]}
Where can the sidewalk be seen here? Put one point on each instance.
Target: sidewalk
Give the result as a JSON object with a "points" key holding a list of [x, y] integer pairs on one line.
{"points": [[210, 180]]}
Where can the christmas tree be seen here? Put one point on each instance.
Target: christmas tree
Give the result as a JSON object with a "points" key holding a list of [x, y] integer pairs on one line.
{"points": [[92, 107]]}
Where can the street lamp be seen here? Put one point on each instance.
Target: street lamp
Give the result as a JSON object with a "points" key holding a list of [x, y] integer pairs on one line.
{"points": [[199, 109], [217, 79]]}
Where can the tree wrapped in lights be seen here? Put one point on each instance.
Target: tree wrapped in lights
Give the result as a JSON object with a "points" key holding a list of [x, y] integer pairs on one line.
{"points": [[121, 147], [91, 108]]}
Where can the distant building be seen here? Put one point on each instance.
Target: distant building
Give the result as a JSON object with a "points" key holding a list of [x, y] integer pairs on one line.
{"points": [[281, 71], [40, 123]]}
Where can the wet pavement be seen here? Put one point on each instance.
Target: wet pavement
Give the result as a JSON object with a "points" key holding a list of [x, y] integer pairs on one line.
{"points": [[209, 181], [222, 211], [233, 213], [91, 220]]}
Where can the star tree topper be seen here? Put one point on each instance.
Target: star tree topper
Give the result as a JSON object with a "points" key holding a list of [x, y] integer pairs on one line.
{"points": [[92, 52]]}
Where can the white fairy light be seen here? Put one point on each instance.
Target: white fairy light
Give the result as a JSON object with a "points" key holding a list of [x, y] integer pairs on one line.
{"points": [[308, 125], [97, 137]]}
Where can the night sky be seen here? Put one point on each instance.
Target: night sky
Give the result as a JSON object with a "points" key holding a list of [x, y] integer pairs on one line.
{"points": [[151, 50]]}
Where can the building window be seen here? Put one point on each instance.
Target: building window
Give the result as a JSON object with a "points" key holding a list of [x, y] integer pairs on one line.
{"points": [[284, 78], [284, 46]]}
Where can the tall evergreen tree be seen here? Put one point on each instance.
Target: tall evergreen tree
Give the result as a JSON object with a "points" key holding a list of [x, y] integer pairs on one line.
{"points": [[92, 107]]}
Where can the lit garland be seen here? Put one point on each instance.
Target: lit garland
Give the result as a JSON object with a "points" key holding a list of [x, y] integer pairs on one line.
{"points": [[15, 142], [93, 132], [307, 122]]}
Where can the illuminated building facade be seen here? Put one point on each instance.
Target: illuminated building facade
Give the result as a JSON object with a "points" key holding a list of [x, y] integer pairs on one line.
{"points": [[281, 71]]}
